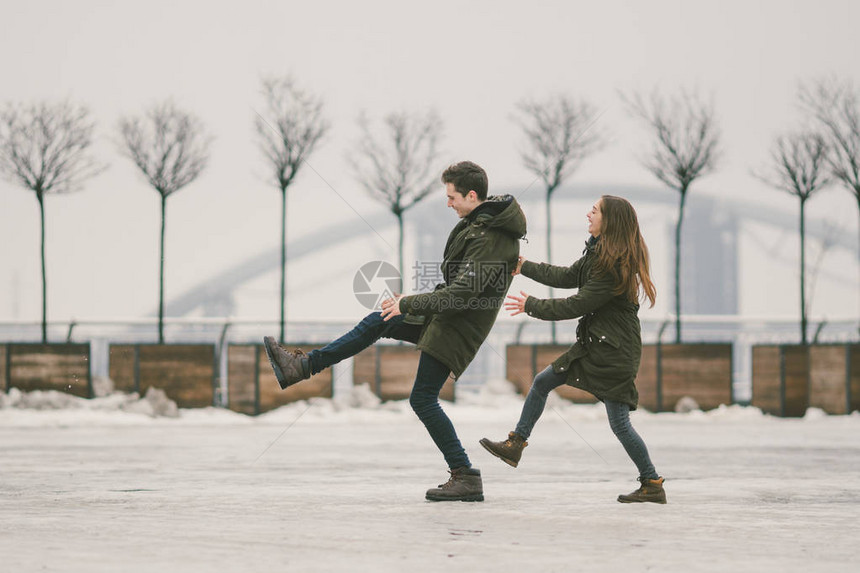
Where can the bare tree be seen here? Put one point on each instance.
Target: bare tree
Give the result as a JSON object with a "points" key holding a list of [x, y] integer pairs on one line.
{"points": [[397, 166], [835, 106], [171, 149], [288, 130], [798, 167], [559, 136], [45, 147], [685, 148]]}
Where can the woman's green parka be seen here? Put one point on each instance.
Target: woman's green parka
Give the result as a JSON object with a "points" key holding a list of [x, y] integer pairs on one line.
{"points": [[604, 360]]}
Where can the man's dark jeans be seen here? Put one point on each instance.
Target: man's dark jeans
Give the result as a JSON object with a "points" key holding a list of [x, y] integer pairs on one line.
{"points": [[429, 380]]}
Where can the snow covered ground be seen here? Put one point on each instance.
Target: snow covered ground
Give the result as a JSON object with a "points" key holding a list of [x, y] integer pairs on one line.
{"points": [[120, 484]]}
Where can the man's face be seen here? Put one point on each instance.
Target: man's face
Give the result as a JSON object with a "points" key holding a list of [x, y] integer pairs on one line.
{"points": [[462, 205]]}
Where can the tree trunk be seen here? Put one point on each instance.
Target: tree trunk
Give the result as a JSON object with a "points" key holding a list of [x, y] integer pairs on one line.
{"points": [[41, 199], [803, 340], [283, 263], [400, 250], [678, 266], [161, 271], [549, 254]]}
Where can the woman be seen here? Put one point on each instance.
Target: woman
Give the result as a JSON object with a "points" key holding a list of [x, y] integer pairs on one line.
{"points": [[605, 358]]}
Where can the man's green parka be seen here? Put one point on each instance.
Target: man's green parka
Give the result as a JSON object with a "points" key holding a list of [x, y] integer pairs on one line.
{"points": [[480, 254]]}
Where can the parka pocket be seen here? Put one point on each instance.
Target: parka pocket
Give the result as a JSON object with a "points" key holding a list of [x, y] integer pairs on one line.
{"points": [[604, 339]]}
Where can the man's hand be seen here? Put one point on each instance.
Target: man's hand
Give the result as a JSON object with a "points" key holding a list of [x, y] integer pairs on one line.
{"points": [[518, 306], [517, 270], [391, 307]]}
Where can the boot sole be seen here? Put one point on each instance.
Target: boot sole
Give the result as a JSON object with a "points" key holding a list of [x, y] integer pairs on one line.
{"points": [[485, 441], [659, 501], [476, 497], [279, 374]]}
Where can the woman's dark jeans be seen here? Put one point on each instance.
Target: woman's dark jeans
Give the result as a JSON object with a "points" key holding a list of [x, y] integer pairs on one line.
{"points": [[429, 380], [618, 413]]}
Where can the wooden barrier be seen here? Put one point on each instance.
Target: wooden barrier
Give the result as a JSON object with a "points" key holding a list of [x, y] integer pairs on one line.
{"points": [[829, 381], [4, 363], [666, 373], [648, 379], [788, 379], [853, 369], [61, 367], [701, 371], [253, 389], [390, 371], [780, 379], [186, 372]]}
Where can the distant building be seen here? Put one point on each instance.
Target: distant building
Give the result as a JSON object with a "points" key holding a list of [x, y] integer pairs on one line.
{"points": [[709, 260]]}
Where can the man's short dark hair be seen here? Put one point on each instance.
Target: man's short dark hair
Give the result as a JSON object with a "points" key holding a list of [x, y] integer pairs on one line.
{"points": [[467, 176]]}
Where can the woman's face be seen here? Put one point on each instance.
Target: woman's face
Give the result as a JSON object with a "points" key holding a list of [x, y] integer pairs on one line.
{"points": [[595, 220]]}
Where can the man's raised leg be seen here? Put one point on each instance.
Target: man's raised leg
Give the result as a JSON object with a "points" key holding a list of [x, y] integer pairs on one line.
{"points": [[294, 366]]}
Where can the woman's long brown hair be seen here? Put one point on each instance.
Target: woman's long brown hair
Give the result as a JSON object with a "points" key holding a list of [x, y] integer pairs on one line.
{"points": [[622, 251]]}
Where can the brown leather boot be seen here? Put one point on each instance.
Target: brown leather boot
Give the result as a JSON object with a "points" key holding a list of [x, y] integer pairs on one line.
{"points": [[289, 367], [464, 485], [651, 490], [510, 451]]}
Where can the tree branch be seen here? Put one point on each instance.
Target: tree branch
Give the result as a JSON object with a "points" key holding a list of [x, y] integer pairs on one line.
{"points": [[798, 164], [686, 133], [290, 127], [398, 167], [559, 136], [835, 107], [168, 145], [44, 147]]}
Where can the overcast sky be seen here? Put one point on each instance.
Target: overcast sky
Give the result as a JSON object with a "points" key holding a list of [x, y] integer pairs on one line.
{"points": [[471, 61]]}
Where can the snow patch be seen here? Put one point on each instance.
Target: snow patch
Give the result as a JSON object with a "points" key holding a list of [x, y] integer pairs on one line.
{"points": [[102, 386], [359, 396], [815, 414], [155, 404], [496, 403], [686, 405]]}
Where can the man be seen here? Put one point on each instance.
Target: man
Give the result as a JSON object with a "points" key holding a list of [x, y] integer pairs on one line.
{"points": [[448, 325]]}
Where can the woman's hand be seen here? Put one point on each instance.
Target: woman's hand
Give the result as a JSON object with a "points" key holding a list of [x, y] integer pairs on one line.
{"points": [[391, 307], [517, 270], [517, 305]]}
